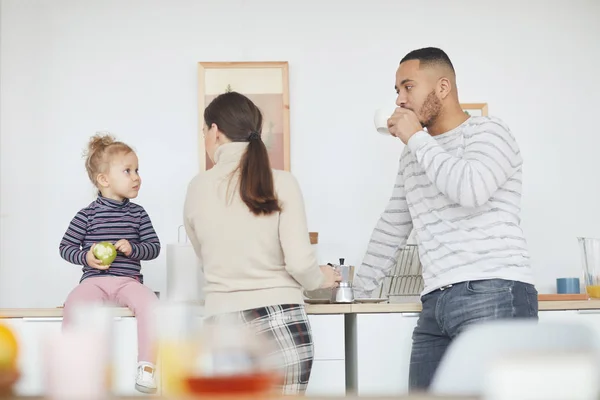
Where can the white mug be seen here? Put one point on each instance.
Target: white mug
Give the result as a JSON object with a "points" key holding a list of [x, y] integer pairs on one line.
{"points": [[381, 117]]}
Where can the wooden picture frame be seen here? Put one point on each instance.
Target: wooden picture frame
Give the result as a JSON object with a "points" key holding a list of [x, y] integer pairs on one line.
{"points": [[267, 85], [475, 109]]}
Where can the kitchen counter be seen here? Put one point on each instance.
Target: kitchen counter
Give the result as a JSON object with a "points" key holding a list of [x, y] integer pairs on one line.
{"points": [[356, 308], [208, 397]]}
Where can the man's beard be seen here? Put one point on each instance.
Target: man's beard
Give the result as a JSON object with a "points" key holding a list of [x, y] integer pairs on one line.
{"points": [[430, 110]]}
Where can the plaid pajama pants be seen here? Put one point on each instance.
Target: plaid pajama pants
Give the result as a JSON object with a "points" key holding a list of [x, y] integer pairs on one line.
{"points": [[288, 328]]}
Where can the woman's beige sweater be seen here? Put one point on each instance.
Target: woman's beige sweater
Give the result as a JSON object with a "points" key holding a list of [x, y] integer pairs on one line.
{"points": [[248, 261]]}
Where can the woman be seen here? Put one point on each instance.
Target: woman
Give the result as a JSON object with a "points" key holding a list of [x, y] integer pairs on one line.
{"points": [[247, 224]]}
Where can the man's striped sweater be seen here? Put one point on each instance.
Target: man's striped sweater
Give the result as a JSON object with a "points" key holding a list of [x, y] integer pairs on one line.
{"points": [[461, 193]]}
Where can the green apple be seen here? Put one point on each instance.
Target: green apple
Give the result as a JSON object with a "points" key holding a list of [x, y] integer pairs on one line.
{"points": [[105, 252]]}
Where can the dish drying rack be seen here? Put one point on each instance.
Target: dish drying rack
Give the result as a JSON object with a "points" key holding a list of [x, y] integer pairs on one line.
{"points": [[404, 283]]}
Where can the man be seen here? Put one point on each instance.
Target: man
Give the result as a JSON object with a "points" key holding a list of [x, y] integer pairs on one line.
{"points": [[459, 188]]}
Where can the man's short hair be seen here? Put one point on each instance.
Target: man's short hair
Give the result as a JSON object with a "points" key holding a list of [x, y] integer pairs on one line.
{"points": [[429, 56]]}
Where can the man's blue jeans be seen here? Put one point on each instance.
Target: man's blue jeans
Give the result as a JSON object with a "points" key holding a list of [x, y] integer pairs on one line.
{"points": [[446, 312]]}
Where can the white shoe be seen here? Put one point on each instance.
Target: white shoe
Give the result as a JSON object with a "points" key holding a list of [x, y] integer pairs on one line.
{"points": [[144, 381]]}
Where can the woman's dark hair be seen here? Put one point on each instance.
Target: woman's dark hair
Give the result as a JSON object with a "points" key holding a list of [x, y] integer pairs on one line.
{"points": [[238, 118]]}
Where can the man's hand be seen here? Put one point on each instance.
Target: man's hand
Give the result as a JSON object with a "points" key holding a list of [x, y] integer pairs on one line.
{"points": [[124, 247], [403, 124]]}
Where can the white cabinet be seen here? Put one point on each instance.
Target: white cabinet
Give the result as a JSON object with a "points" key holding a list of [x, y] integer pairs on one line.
{"points": [[327, 378], [328, 336], [588, 317], [382, 353], [329, 368]]}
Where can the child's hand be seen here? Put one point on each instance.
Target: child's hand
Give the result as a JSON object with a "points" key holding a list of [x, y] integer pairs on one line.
{"points": [[124, 247], [92, 261]]}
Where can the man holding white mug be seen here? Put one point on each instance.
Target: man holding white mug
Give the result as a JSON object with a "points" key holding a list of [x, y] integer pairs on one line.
{"points": [[459, 187]]}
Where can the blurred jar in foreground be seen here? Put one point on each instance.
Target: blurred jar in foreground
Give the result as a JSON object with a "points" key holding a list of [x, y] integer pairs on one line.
{"points": [[232, 359]]}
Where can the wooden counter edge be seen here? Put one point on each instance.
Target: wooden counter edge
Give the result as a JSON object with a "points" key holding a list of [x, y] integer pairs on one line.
{"points": [[316, 309]]}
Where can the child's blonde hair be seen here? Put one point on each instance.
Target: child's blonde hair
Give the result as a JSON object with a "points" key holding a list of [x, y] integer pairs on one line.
{"points": [[101, 147]]}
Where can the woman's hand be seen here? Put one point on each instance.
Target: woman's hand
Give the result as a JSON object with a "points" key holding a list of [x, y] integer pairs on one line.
{"points": [[332, 277]]}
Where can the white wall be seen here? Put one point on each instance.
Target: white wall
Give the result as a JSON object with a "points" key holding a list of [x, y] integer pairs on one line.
{"points": [[70, 68]]}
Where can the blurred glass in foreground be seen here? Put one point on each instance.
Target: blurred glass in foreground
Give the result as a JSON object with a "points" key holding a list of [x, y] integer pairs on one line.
{"points": [[77, 361], [219, 355]]}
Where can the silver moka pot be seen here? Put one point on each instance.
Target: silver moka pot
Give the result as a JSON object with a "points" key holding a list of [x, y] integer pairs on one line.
{"points": [[343, 293]]}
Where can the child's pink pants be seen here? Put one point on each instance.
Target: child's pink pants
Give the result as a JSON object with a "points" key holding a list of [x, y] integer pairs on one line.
{"points": [[124, 292]]}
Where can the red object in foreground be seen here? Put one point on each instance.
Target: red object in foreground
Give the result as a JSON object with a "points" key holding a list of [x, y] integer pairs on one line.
{"points": [[235, 384]]}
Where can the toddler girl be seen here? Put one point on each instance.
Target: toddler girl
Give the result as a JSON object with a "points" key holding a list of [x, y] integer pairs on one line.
{"points": [[112, 167]]}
